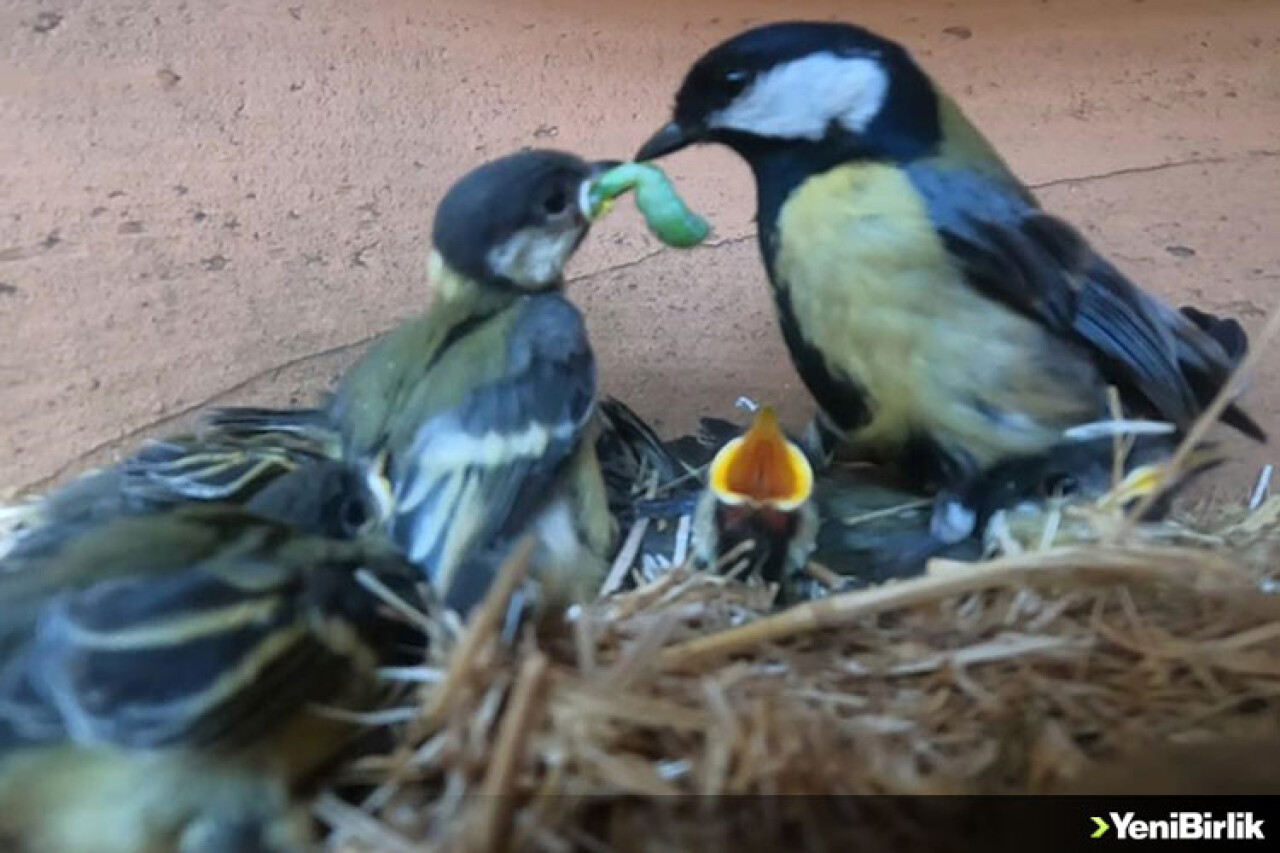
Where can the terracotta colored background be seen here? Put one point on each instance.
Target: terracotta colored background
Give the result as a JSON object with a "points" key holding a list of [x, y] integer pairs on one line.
{"points": [[214, 202]]}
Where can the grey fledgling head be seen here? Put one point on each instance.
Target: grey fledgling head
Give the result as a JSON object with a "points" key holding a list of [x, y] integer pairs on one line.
{"points": [[516, 221]]}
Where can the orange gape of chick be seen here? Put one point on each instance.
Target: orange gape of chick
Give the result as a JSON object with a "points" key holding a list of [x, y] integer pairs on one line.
{"points": [[756, 517], [762, 466]]}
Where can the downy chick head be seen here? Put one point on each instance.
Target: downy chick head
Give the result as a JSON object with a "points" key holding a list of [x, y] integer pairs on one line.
{"points": [[756, 512], [514, 222], [814, 84]]}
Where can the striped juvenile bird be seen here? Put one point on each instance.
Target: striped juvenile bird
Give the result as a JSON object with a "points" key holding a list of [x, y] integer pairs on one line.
{"points": [[471, 424], [477, 416], [158, 676], [940, 318]]}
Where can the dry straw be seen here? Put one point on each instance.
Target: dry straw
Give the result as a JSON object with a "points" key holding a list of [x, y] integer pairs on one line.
{"points": [[1102, 637]]}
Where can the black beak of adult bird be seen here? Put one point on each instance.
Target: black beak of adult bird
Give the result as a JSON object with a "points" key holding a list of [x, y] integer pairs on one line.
{"points": [[599, 167], [671, 138], [757, 506]]}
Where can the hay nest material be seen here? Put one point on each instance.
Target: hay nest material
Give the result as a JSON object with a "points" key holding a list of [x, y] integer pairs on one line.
{"points": [[1008, 676]]}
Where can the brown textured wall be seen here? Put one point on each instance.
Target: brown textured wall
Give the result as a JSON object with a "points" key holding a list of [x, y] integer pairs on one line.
{"points": [[216, 202]]}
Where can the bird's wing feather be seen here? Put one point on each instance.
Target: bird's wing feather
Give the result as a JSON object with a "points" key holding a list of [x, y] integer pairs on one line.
{"points": [[195, 469], [199, 657], [632, 457], [69, 557], [236, 451], [475, 472], [1036, 264], [196, 626]]}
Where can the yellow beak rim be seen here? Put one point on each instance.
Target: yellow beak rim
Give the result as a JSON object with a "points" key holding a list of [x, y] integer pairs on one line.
{"points": [[762, 467]]}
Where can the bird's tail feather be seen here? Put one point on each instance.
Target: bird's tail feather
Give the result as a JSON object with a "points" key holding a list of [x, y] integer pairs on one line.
{"points": [[237, 452], [177, 470], [634, 460], [1227, 331], [1231, 337], [307, 430]]}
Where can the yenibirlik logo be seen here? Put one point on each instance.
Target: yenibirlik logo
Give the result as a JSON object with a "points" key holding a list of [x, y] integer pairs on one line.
{"points": [[1182, 826]]}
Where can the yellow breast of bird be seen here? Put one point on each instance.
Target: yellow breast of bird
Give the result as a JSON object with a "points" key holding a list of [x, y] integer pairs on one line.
{"points": [[872, 288], [68, 799], [63, 798]]}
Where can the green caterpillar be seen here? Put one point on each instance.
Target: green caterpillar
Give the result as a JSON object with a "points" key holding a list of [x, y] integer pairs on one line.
{"points": [[666, 214]]}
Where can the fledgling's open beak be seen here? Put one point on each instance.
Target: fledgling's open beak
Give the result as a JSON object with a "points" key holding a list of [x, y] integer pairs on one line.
{"points": [[762, 468], [756, 514], [671, 138]]}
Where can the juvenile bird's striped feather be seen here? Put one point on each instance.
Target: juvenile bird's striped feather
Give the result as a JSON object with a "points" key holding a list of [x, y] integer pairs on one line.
{"points": [[478, 472]]}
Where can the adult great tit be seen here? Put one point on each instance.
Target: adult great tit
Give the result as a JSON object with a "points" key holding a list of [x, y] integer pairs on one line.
{"points": [[158, 676], [940, 318]]}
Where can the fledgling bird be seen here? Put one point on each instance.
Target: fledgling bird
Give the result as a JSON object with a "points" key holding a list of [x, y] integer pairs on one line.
{"points": [[471, 424], [940, 318], [159, 672]]}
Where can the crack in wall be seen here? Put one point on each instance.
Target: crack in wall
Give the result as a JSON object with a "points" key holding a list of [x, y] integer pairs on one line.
{"points": [[109, 444], [169, 417], [1158, 167]]}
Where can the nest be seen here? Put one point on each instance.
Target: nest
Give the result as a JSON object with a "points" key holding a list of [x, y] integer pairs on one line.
{"points": [[1101, 639], [1009, 676]]}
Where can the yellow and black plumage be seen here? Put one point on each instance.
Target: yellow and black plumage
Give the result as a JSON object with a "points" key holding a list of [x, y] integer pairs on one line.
{"points": [[323, 497], [478, 414], [941, 319], [158, 676]]}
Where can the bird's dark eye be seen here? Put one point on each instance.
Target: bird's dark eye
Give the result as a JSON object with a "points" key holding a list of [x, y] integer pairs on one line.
{"points": [[353, 515], [734, 80], [556, 203]]}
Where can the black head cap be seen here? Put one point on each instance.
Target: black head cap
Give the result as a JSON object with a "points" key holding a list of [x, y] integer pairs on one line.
{"points": [[720, 76], [536, 192], [726, 70]]}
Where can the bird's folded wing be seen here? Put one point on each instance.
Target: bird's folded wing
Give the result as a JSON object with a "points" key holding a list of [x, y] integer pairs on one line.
{"points": [[210, 655], [1039, 266], [475, 473]]}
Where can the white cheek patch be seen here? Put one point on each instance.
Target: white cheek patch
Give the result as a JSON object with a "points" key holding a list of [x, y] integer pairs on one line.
{"points": [[532, 257], [800, 99]]}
